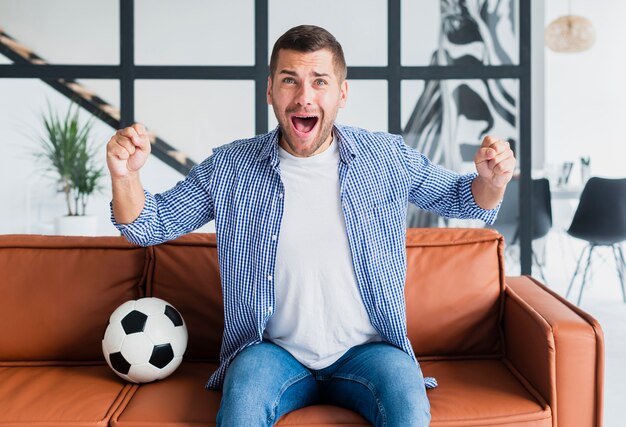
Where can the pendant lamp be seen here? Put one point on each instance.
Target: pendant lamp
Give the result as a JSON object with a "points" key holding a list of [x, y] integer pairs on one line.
{"points": [[570, 33]]}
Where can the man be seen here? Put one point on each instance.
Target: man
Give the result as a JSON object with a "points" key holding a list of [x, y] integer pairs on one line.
{"points": [[310, 222]]}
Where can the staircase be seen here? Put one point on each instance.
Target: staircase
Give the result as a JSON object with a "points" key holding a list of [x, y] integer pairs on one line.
{"points": [[91, 102]]}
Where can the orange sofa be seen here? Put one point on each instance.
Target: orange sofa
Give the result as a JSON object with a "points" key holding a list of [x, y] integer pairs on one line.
{"points": [[505, 351]]}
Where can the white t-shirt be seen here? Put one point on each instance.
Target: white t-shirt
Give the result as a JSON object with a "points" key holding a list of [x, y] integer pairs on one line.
{"points": [[319, 313]]}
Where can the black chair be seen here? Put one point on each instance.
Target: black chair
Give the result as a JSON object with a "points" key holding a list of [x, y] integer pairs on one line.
{"points": [[507, 222], [600, 219]]}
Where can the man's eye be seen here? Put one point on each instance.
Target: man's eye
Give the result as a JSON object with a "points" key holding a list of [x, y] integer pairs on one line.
{"points": [[320, 82], [288, 80]]}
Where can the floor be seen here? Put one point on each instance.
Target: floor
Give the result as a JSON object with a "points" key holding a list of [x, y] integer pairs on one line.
{"points": [[602, 299]]}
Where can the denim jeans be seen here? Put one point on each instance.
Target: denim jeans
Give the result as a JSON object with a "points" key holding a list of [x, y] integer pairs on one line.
{"points": [[377, 380]]}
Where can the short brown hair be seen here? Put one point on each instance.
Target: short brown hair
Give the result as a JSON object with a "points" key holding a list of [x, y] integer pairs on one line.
{"points": [[310, 38]]}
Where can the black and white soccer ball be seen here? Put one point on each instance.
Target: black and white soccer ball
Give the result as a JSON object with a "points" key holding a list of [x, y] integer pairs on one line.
{"points": [[145, 340]]}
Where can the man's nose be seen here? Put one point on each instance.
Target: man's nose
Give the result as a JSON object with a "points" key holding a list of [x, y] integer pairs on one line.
{"points": [[304, 95]]}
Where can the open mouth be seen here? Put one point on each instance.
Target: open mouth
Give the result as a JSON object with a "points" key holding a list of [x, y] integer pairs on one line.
{"points": [[304, 124]]}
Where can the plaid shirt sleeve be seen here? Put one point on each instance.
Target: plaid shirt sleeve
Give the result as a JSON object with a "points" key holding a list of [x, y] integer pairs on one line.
{"points": [[442, 191], [180, 210]]}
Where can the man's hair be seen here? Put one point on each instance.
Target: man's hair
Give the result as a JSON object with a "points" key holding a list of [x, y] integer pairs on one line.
{"points": [[310, 38]]}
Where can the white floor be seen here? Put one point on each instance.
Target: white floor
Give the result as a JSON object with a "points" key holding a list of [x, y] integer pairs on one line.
{"points": [[602, 299]]}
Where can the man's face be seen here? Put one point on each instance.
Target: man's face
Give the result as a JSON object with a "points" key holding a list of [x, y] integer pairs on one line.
{"points": [[306, 94]]}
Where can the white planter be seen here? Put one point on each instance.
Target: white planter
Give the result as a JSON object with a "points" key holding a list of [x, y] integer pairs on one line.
{"points": [[86, 225]]}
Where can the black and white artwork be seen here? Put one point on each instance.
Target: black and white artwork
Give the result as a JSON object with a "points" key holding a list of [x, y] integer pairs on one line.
{"points": [[451, 117]]}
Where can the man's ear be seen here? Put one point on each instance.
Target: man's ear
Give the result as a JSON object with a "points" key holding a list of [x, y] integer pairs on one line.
{"points": [[269, 90], [343, 94]]}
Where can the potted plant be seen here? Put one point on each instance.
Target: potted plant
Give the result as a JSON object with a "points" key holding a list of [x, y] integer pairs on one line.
{"points": [[69, 153]]}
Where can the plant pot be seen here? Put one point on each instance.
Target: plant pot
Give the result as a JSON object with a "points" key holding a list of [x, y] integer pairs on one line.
{"points": [[81, 225]]}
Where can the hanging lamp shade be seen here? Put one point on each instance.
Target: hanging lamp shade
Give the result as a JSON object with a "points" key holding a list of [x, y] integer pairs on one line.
{"points": [[569, 34]]}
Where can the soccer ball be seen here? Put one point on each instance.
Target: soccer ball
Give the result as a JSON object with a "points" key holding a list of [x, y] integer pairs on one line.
{"points": [[145, 340]]}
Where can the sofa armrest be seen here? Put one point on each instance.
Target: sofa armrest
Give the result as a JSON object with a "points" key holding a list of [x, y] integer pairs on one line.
{"points": [[557, 348]]}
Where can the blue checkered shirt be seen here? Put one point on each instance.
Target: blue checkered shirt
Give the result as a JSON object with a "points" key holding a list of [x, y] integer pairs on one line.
{"points": [[239, 186]]}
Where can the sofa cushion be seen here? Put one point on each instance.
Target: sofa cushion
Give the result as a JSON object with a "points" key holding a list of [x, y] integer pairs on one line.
{"points": [[186, 274], [482, 392], [57, 294], [59, 396], [454, 291], [180, 400], [457, 272], [471, 393]]}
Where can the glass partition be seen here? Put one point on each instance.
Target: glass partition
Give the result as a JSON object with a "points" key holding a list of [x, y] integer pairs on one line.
{"points": [[456, 32], [447, 121], [195, 116], [194, 32], [28, 185], [67, 31], [364, 41]]}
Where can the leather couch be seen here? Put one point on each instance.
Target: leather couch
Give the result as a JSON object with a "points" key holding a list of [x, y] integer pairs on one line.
{"points": [[505, 351]]}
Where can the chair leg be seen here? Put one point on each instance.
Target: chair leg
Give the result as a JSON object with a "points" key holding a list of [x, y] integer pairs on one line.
{"points": [[621, 255], [582, 287], [619, 263], [571, 283]]}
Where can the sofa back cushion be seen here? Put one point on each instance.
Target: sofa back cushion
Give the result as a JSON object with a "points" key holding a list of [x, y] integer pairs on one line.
{"points": [[57, 293], [186, 274], [454, 289]]}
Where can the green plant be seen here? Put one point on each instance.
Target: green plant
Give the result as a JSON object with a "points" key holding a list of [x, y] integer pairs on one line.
{"points": [[67, 150]]}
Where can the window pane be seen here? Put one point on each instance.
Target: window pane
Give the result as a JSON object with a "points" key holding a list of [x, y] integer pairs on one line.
{"points": [[366, 106], [194, 32], [364, 40], [195, 116], [65, 31], [446, 120], [34, 199], [456, 32]]}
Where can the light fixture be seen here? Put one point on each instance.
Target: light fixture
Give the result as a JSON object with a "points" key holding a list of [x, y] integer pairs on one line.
{"points": [[570, 33]]}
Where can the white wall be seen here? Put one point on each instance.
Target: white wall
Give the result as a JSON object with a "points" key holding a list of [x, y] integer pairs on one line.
{"points": [[585, 112]]}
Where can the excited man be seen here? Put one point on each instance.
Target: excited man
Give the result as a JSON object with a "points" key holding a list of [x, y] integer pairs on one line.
{"points": [[310, 224]]}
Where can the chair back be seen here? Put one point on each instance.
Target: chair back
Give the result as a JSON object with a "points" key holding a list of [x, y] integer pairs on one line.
{"points": [[600, 217], [507, 222], [542, 208]]}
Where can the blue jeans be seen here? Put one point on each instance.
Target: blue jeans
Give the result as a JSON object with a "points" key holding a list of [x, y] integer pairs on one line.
{"points": [[377, 380]]}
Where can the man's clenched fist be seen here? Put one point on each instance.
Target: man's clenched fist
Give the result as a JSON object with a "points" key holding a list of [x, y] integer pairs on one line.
{"points": [[495, 162], [127, 151]]}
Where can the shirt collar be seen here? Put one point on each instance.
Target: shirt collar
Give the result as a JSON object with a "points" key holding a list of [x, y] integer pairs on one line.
{"points": [[347, 145], [269, 147]]}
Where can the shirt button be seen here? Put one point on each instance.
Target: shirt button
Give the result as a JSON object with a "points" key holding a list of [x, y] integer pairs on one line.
{"points": [[270, 309], [274, 237], [269, 277], [280, 195]]}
